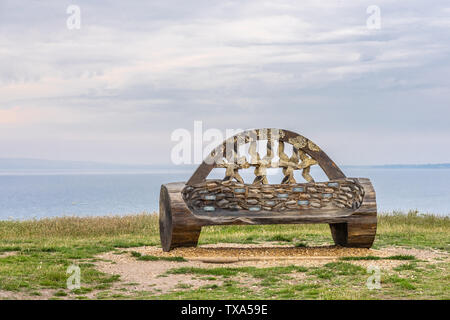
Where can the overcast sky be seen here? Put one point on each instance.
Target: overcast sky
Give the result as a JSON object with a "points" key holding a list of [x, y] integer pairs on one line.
{"points": [[115, 89]]}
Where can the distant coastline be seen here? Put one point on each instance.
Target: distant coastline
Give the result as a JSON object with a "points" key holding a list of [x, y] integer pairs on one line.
{"points": [[30, 166], [402, 166], [41, 165]]}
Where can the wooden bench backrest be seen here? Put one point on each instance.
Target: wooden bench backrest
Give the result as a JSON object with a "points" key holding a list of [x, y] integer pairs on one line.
{"points": [[304, 155]]}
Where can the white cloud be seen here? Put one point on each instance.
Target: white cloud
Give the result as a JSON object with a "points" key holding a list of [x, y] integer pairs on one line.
{"points": [[141, 70]]}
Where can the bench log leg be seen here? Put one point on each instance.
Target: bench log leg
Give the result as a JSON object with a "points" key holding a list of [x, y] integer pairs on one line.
{"points": [[181, 237], [360, 230], [353, 234], [177, 226]]}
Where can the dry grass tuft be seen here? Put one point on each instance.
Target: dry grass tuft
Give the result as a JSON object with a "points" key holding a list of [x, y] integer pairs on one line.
{"points": [[394, 228], [76, 227]]}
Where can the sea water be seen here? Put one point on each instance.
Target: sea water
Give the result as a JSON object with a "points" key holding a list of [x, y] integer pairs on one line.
{"points": [[49, 194]]}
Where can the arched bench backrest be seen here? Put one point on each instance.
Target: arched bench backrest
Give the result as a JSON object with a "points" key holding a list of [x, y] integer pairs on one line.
{"points": [[305, 154]]}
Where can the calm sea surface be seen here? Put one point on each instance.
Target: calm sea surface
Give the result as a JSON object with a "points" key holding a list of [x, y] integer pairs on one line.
{"points": [[25, 196]]}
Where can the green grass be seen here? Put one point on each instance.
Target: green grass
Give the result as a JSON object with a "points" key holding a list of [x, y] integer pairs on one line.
{"points": [[300, 245], [337, 280], [280, 238], [374, 258], [136, 254], [410, 229], [333, 269], [252, 271], [400, 282], [407, 266], [155, 258], [397, 257], [60, 293], [35, 254], [141, 257], [401, 257]]}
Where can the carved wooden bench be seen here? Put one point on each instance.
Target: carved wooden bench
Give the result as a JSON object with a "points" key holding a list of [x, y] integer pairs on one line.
{"points": [[348, 205]]}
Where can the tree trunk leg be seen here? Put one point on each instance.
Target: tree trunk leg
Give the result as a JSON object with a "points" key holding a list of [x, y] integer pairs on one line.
{"points": [[176, 229], [360, 229], [184, 237], [353, 234]]}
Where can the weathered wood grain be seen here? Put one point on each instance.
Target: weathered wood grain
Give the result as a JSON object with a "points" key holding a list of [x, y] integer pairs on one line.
{"points": [[178, 226], [361, 227]]}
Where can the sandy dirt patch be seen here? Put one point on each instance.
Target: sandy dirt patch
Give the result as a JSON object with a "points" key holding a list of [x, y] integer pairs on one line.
{"points": [[267, 251], [8, 254], [44, 294], [151, 275], [274, 254]]}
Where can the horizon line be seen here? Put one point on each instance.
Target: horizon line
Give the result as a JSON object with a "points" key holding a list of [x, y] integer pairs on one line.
{"points": [[154, 165]]}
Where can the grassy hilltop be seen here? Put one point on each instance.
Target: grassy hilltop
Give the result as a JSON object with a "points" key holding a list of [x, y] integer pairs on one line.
{"points": [[34, 256]]}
